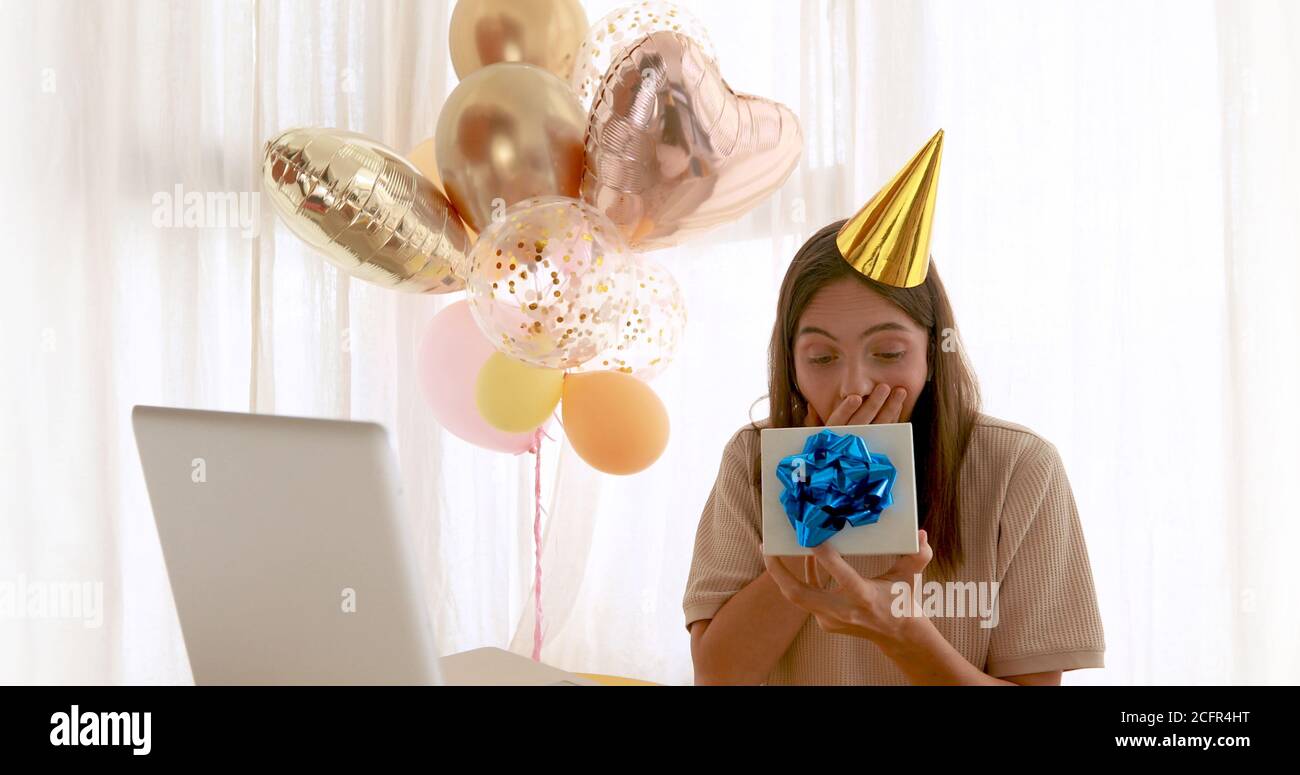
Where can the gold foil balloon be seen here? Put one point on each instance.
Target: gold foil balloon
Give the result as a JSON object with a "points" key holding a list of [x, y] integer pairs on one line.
{"points": [[672, 151], [611, 36], [367, 209], [889, 238], [549, 282], [506, 133], [545, 33], [651, 329]]}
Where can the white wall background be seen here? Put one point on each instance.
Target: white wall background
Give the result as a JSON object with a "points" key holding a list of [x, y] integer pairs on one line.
{"points": [[1117, 225]]}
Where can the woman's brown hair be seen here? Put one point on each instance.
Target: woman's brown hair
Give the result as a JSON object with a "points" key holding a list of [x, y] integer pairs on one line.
{"points": [[944, 415]]}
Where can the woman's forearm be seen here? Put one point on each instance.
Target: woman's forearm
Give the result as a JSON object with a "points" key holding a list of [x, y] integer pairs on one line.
{"points": [[747, 636], [927, 658]]}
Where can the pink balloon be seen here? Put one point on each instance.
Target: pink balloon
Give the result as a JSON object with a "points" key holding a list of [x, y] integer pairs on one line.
{"points": [[452, 351]]}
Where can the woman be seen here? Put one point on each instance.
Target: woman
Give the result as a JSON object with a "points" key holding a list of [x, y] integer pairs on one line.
{"points": [[994, 502]]}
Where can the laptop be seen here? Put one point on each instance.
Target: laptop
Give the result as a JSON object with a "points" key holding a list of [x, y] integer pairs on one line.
{"points": [[290, 558]]}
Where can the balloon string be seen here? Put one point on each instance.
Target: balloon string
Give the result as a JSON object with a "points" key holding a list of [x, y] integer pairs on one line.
{"points": [[537, 543]]}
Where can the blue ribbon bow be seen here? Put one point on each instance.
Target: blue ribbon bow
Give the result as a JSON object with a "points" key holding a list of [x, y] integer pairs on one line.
{"points": [[835, 481]]}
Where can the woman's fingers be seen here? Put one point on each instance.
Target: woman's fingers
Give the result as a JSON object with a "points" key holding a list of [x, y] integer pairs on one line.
{"points": [[908, 565], [791, 585], [882, 405], [893, 408], [813, 573], [871, 404], [796, 591], [839, 568], [845, 410]]}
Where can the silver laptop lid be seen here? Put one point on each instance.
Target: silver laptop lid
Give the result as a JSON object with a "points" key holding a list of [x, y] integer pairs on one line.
{"points": [[286, 547]]}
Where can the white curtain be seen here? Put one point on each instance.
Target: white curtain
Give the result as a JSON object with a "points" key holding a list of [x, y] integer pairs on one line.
{"points": [[1117, 226]]}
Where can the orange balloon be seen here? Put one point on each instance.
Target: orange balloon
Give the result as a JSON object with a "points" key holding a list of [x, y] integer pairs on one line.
{"points": [[614, 421], [425, 158]]}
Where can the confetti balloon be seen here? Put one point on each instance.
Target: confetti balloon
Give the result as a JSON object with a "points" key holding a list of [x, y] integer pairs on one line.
{"points": [[366, 209], [651, 329], [549, 282], [611, 36]]}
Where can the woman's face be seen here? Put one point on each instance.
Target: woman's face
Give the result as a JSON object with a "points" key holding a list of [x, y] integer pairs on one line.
{"points": [[850, 340]]}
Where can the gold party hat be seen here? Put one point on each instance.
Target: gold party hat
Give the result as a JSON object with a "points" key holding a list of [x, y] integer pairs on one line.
{"points": [[889, 239]]}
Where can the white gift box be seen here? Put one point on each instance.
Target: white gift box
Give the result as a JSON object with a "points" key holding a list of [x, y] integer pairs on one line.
{"points": [[893, 533]]}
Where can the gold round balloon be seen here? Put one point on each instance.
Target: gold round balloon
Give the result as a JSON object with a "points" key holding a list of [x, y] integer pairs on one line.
{"points": [[367, 209], [545, 33], [507, 133]]}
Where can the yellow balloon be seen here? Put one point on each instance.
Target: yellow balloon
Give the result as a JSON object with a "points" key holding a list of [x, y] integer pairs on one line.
{"points": [[546, 33], [614, 421], [514, 396]]}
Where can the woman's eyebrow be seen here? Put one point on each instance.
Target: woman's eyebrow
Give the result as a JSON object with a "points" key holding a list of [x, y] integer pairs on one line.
{"points": [[887, 326]]}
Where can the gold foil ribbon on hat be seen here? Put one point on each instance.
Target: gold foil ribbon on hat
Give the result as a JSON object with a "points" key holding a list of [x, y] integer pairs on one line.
{"points": [[889, 238]]}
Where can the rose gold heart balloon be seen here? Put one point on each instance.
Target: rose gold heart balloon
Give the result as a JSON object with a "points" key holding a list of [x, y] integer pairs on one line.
{"points": [[366, 209], [609, 38], [672, 151]]}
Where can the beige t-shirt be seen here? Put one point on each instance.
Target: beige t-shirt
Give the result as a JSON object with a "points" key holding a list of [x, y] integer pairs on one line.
{"points": [[1019, 526]]}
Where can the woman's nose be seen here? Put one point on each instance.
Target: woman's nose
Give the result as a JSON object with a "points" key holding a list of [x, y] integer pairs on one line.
{"points": [[857, 380]]}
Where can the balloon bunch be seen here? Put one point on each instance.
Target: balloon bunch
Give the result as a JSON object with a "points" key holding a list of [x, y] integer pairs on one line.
{"points": [[563, 155]]}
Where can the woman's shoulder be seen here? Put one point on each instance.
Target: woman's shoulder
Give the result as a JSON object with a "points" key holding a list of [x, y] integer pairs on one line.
{"points": [[1009, 447], [990, 430], [742, 449], [746, 438]]}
